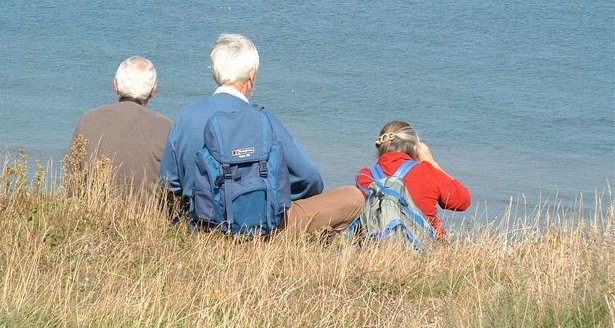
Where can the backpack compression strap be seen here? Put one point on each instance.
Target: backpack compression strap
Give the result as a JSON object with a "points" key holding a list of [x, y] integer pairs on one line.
{"points": [[418, 217], [228, 201], [390, 228]]}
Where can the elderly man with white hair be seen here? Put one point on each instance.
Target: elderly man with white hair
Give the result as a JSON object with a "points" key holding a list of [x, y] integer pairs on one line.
{"points": [[126, 132], [235, 62]]}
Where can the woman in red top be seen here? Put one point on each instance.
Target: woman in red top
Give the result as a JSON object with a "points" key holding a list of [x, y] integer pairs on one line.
{"points": [[428, 184]]}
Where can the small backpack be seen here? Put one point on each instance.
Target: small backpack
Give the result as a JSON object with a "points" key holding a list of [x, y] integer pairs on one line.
{"points": [[242, 184], [389, 212]]}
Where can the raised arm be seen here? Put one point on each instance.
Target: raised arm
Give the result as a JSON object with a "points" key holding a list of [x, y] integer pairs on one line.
{"points": [[454, 195]]}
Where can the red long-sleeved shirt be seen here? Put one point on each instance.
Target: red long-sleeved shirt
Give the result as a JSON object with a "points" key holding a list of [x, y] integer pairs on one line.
{"points": [[427, 185]]}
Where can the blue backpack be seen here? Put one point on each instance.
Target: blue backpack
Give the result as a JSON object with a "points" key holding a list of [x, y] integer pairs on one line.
{"points": [[389, 212], [242, 183]]}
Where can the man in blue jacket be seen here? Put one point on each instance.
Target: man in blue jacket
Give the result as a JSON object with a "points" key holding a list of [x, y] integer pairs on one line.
{"points": [[235, 62]]}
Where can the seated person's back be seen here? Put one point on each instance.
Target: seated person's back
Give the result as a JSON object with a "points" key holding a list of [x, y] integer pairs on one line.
{"points": [[428, 184], [126, 132], [235, 62]]}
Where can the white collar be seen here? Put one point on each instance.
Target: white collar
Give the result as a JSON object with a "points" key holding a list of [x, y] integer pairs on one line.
{"points": [[231, 91]]}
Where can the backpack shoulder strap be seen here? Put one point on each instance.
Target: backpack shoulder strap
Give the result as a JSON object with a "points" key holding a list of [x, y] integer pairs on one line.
{"points": [[418, 217], [405, 167], [377, 172], [365, 191]]}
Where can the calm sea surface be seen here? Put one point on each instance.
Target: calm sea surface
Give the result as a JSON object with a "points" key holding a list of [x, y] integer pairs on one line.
{"points": [[515, 98]]}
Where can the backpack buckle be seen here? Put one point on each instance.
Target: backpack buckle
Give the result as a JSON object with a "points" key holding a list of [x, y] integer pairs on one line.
{"points": [[226, 171], [263, 169]]}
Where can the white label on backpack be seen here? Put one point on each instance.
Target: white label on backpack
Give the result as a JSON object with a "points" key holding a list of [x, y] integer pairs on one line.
{"points": [[243, 152]]}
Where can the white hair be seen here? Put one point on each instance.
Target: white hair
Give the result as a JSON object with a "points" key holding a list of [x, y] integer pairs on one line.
{"points": [[232, 58], [136, 77]]}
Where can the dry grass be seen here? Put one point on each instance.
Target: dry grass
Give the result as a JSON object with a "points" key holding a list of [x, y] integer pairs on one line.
{"points": [[90, 258]]}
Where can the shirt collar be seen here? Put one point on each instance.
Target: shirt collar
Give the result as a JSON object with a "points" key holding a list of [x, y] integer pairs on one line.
{"points": [[231, 91]]}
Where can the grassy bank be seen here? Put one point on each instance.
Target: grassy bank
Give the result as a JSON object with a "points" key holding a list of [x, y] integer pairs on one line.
{"points": [[93, 259]]}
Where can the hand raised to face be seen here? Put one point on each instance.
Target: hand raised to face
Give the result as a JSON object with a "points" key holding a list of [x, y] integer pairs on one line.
{"points": [[424, 153]]}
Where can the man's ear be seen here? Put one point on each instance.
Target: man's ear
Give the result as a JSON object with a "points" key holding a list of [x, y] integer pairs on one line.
{"points": [[252, 75], [154, 91], [116, 88]]}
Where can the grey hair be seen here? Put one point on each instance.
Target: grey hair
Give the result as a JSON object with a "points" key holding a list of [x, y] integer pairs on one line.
{"points": [[232, 58], [397, 136], [136, 78]]}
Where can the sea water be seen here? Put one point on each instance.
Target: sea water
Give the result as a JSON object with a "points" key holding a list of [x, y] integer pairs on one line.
{"points": [[516, 99]]}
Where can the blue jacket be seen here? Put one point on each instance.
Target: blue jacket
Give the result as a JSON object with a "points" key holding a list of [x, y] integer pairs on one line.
{"points": [[186, 138]]}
